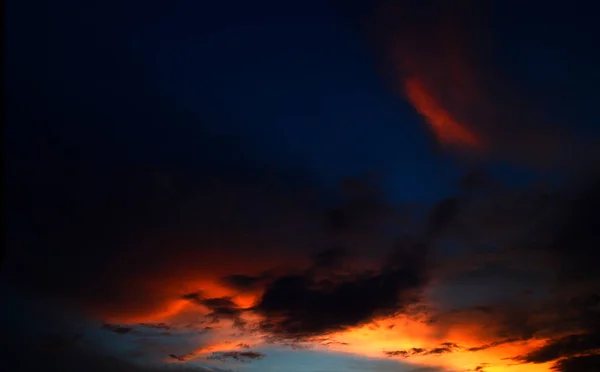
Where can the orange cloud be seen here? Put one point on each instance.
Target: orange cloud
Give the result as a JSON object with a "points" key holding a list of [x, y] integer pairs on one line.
{"points": [[164, 291], [388, 335], [374, 340], [446, 128], [442, 63], [176, 276]]}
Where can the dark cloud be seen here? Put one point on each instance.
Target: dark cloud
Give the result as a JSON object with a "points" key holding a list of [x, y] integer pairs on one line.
{"points": [[162, 326], [557, 298], [481, 367], [243, 283], [195, 297], [183, 357], [330, 257], [567, 346], [496, 214], [576, 233], [588, 363], [441, 215], [404, 353], [333, 342], [117, 329], [145, 329], [429, 369], [222, 307], [219, 303], [476, 179], [444, 348], [576, 304], [492, 344], [302, 305], [219, 307], [239, 356]]}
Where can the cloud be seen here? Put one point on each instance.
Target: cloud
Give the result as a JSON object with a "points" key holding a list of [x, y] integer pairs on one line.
{"points": [[304, 305], [239, 356], [447, 347], [219, 306], [486, 236], [481, 367], [162, 326], [117, 329], [449, 62], [588, 363], [243, 283], [183, 357], [492, 344], [443, 348], [333, 291], [559, 228], [568, 346], [219, 303], [103, 237], [157, 248]]}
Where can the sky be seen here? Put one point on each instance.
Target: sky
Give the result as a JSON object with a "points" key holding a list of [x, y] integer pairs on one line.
{"points": [[315, 186]]}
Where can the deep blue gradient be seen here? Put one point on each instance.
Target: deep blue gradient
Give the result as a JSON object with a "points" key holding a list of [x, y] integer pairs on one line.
{"points": [[282, 86]]}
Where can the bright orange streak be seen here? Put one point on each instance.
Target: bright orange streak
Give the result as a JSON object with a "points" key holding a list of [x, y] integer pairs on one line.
{"points": [[444, 126]]}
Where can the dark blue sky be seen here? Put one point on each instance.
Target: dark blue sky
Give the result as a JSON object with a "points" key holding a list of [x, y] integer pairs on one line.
{"points": [[289, 86]]}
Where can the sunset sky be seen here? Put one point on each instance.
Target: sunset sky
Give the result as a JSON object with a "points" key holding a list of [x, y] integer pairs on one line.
{"points": [[301, 186]]}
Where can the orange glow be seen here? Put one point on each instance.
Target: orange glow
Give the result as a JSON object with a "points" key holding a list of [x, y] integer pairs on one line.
{"points": [[176, 309], [372, 341], [446, 129], [165, 312], [157, 293], [436, 66]]}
